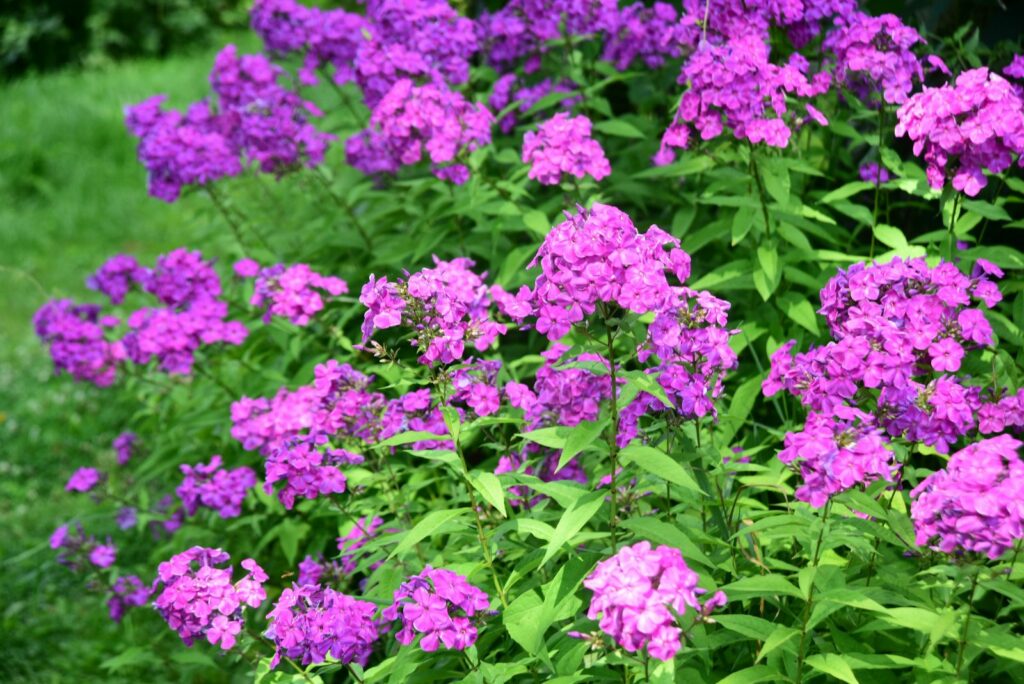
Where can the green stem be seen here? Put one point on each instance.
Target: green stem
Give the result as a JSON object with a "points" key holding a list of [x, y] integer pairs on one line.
{"points": [[967, 623], [761, 193], [347, 208], [878, 179], [802, 652], [613, 438], [951, 233], [236, 230]]}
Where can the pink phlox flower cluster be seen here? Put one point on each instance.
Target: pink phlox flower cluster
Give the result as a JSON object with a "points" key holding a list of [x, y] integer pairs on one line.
{"points": [[265, 424], [561, 394], [293, 292], [309, 623], [963, 129], [636, 592], [124, 446], [198, 599], [475, 385], [269, 124], [413, 121], [545, 467], [895, 325], [180, 150], [447, 307], [736, 85], [212, 486], [440, 605], [74, 335], [172, 337], [836, 453], [562, 145], [127, 592], [691, 342], [873, 172], [506, 92], [308, 469], [116, 277], [597, 256], [976, 503], [83, 480], [874, 57], [77, 549], [1006, 412]]}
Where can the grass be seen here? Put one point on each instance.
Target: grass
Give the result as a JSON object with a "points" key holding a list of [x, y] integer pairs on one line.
{"points": [[71, 194]]}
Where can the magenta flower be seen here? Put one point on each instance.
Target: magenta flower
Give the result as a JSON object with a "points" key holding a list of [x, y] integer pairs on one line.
{"points": [[83, 480], [439, 605], [562, 145]]}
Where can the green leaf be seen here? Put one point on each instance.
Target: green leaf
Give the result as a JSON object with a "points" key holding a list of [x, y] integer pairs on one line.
{"points": [[753, 675], [762, 585], [620, 128], [776, 179], [846, 191], [572, 521], [749, 626], [986, 210], [834, 665], [523, 621], [430, 524], [768, 257], [661, 532], [452, 422], [578, 438], [780, 636], [659, 463], [537, 222], [490, 488], [743, 400], [890, 236], [409, 437], [799, 309], [550, 437]]}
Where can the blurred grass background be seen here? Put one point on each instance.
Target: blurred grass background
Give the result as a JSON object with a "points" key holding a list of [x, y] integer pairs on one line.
{"points": [[71, 194]]}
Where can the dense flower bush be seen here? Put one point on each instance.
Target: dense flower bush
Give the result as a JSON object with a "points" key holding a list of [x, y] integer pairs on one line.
{"points": [[570, 341]]}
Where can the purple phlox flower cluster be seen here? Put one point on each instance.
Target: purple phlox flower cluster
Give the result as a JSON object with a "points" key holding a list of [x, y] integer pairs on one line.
{"points": [[976, 503], [873, 172], [198, 599], [874, 57], [315, 570], [736, 85], [650, 33], [214, 487], [308, 470], [963, 129], [801, 19], [269, 125], [561, 395], [124, 446], [116, 277], [1015, 69], [545, 468], [440, 605], [901, 328], [265, 424], [675, 137], [836, 453], [520, 30], [447, 306], [83, 480], [562, 145], [294, 292], [636, 592], [598, 256], [690, 339], [327, 37], [475, 384], [180, 150], [76, 548], [310, 622], [76, 340], [370, 152], [416, 120], [194, 315], [505, 92], [127, 592]]}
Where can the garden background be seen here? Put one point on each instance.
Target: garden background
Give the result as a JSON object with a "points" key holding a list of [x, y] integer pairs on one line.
{"points": [[72, 193]]}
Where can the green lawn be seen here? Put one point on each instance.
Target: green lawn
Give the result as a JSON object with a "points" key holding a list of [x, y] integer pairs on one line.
{"points": [[71, 194]]}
